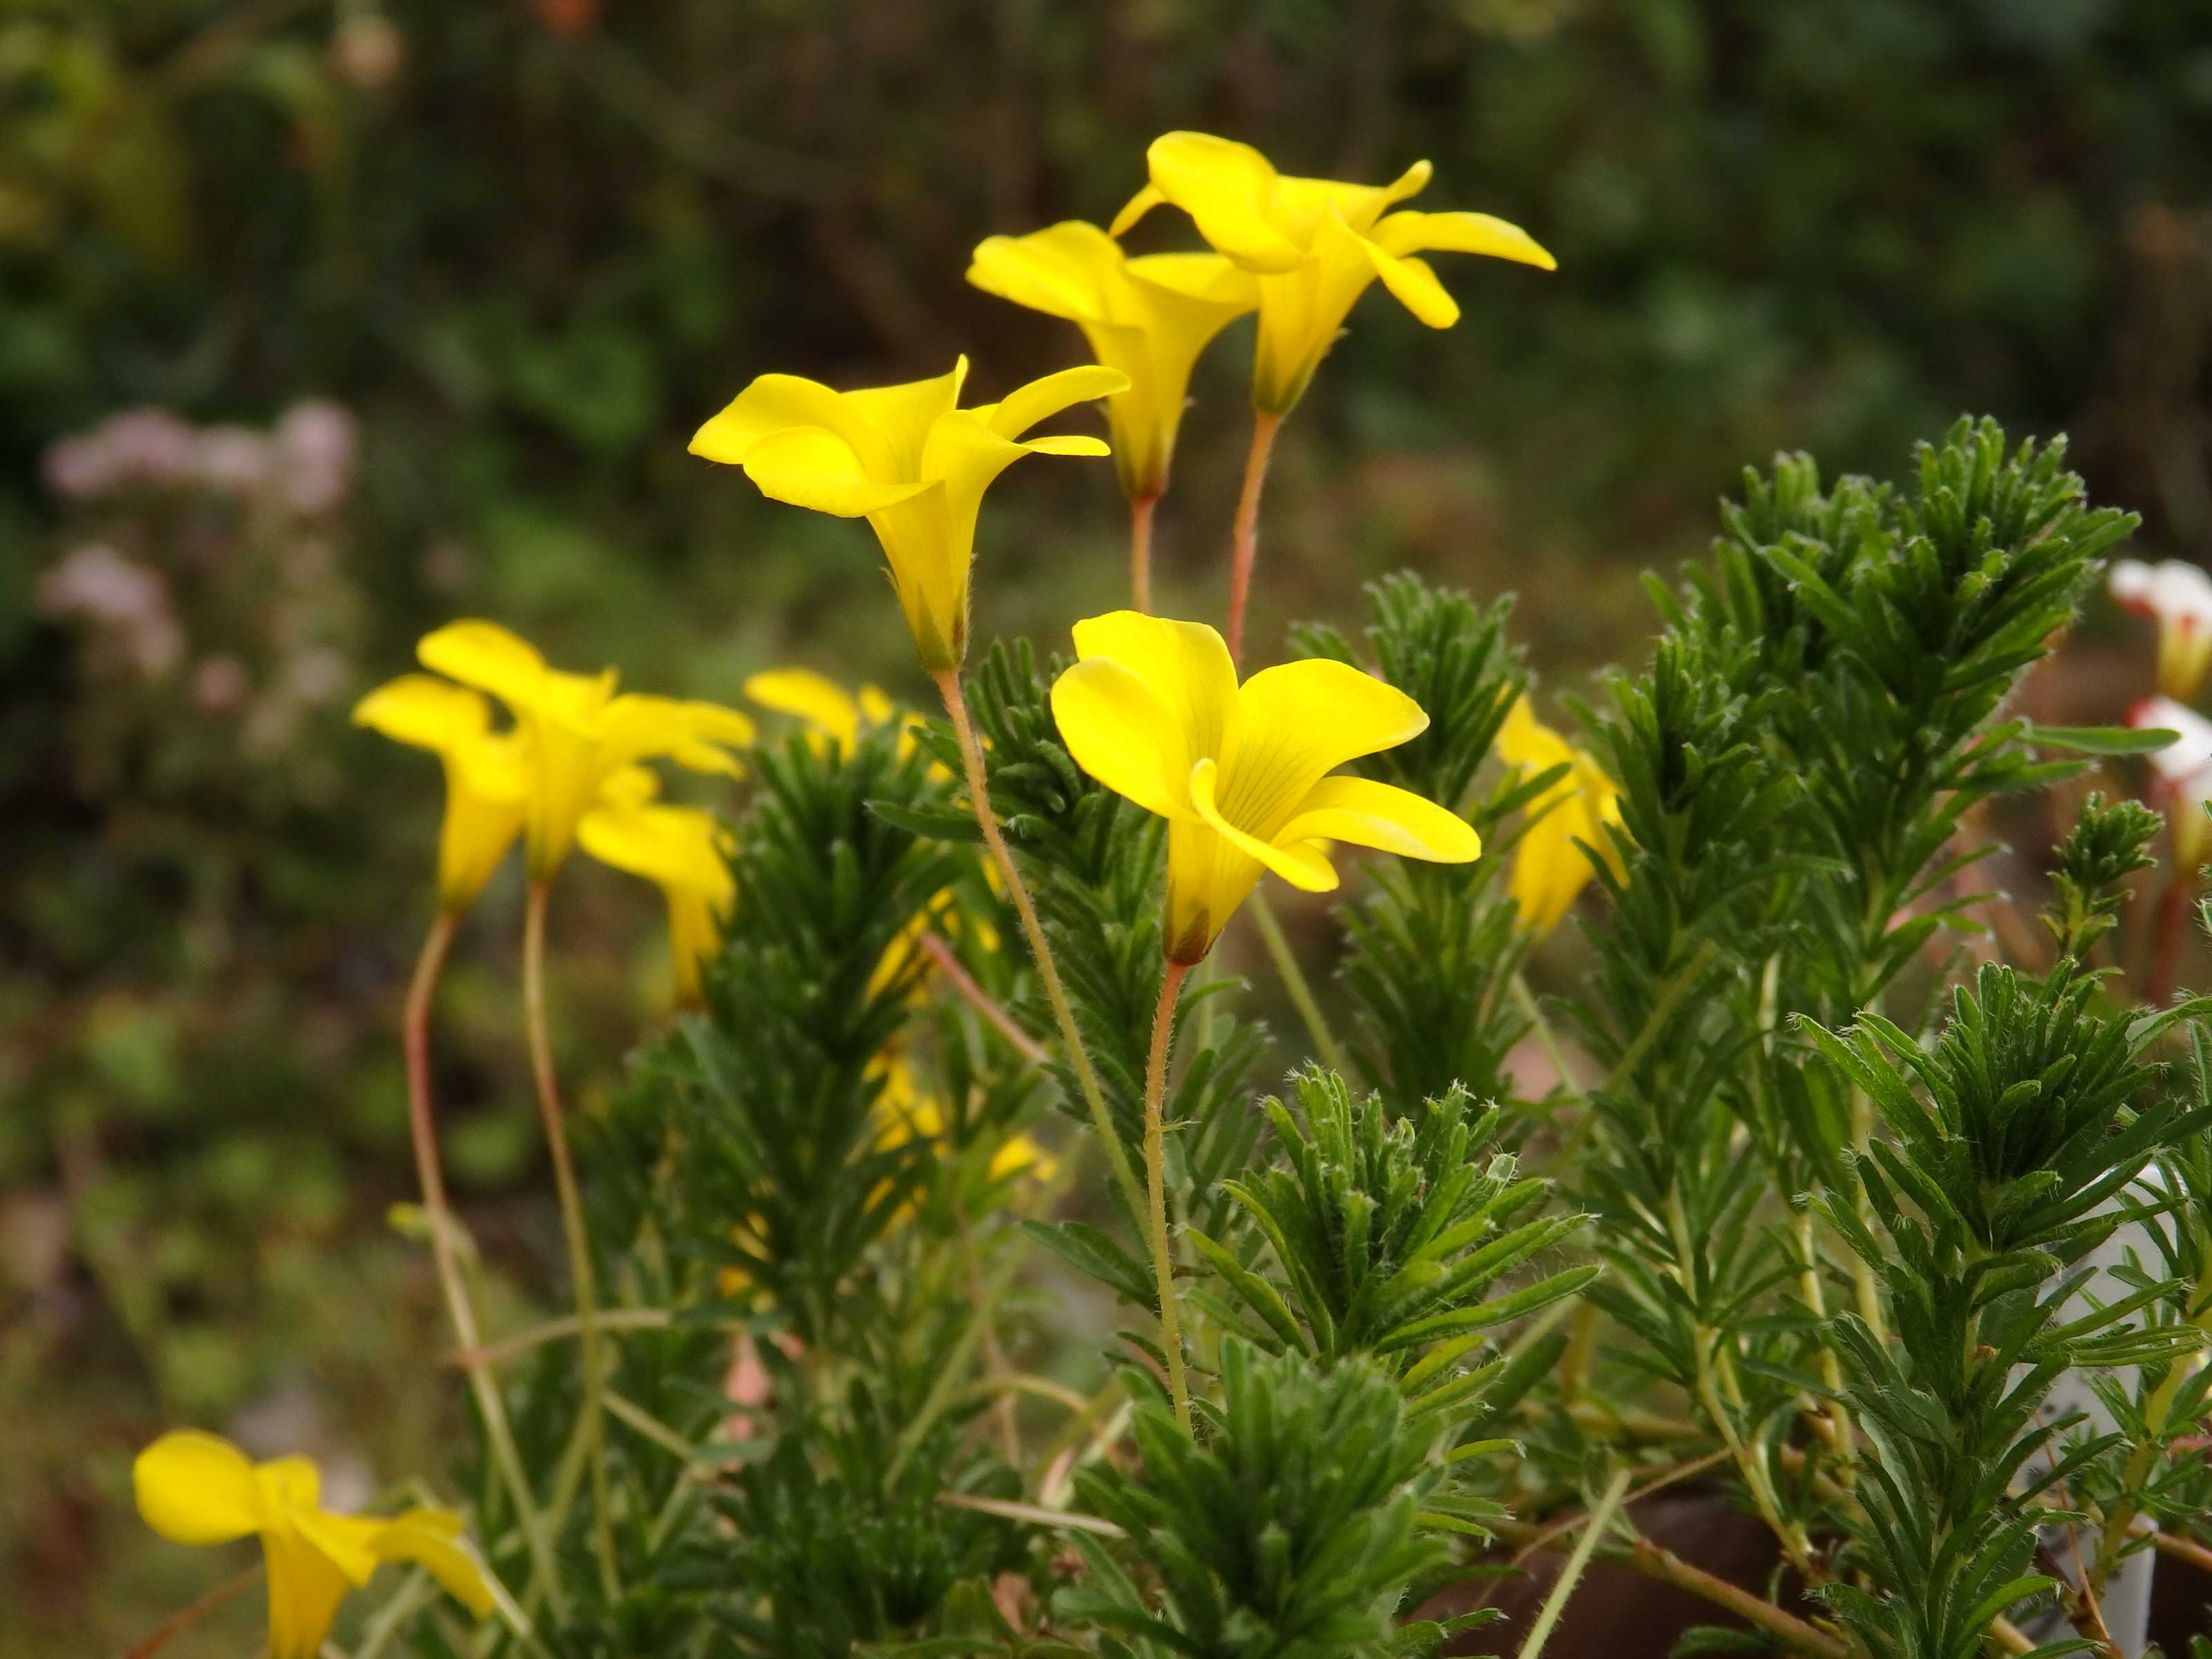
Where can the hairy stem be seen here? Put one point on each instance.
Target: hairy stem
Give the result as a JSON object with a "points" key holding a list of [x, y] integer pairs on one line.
{"points": [[1245, 545], [1571, 1575], [1086, 1077], [185, 1618], [1156, 1181], [572, 1224], [1140, 551], [414, 1041], [948, 964]]}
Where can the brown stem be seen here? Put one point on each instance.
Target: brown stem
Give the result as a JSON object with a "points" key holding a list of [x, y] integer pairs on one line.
{"points": [[1086, 1077], [2165, 953], [177, 1623], [1156, 1184], [1245, 545], [572, 1224], [415, 1043], [1140, 551], [2182, 1549], [958, 977]]}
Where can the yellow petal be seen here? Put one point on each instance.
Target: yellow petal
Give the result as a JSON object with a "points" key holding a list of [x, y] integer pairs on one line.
{"points": [[1092, 448], [1415, 286], [487, 795], [777, 403], [1413, 232], [1065, 269], [305, 1588], [674, 846], [487, 656], [1302, 865], [1120, 732], [1187, 667], [1304, 203], [815, 698], [196, 1488], [900, 416], [432, 1537], [1043, 398], [425, 712], [1298, 722], [812, 467], [1135, 209], [1380, 815], [1229, 189]]}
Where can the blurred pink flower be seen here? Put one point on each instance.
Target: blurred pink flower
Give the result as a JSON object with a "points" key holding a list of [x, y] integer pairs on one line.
{"points": [[232, 460], [316, 441], [119, 597]]}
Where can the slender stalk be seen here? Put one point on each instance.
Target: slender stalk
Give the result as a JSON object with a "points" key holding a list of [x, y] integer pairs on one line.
{"points": [[1571, 1575], [1832, 1371], [2119, 1524], [2166, 951], [971, 757], [185, 1618], [1003, 1022], [1156, 1090], [1140, 551], [1547, 1038], [414, 1041], [609, 1319], [1245, 546], [1294, 982], [572, 1224]]}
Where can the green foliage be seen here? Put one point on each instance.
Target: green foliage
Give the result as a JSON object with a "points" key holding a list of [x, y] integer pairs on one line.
{"points": [[1293, 1529], [2107, 844], [1388, 1233]]}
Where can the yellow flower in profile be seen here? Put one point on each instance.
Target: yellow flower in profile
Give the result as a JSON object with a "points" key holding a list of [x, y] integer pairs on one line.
{"points": [[1550, 869], [909, 460], [1149, 316], [1242, 774], [1315, 244], [196, 1488], [486, 783], [684, 850], [576, 732]]}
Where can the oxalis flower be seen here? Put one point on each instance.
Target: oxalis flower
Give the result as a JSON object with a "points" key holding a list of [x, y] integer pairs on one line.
{"points": [[2177, 596], [575, 732], [487, 783], [1550, 866], [2183, 771], [907, 459], [1242, 774], [196, 1488], [1315, 244], [681, 849], [1149, 316]]}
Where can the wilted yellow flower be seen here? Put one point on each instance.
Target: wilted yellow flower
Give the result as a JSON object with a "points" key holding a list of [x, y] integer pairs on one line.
{"points": [[486, 783], [1549, 868], [1153, 711], [575, 732], [2177, 596], [1149, 316], [908, 459], [196, 1488], [1315, 244], [681, 848]]}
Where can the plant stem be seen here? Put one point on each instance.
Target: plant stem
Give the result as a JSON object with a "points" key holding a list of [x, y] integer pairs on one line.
{"points": [[1245, 545], [1549, 1039], [971, 757], [2120, 1522], [572, 1224], [1571, 1575], [1003, 1022], [1156, 1181], [1832, 1371], [415, 1043], [185, 1618], [1294, 982], [609, 1319], [1140, 551]]}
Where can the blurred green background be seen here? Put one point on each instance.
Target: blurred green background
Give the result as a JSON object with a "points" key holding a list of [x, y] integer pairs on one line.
{"points": [[407, 309]]}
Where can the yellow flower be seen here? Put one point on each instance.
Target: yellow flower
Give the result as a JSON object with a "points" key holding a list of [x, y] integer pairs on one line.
{"points": [[831, 712], [909, 460], [1549, 869], [909, 1114], [575, 732], [486, 785], [194, 1488], [1315, 244], [1149, 316], [681, 848], [1152, 710]]}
